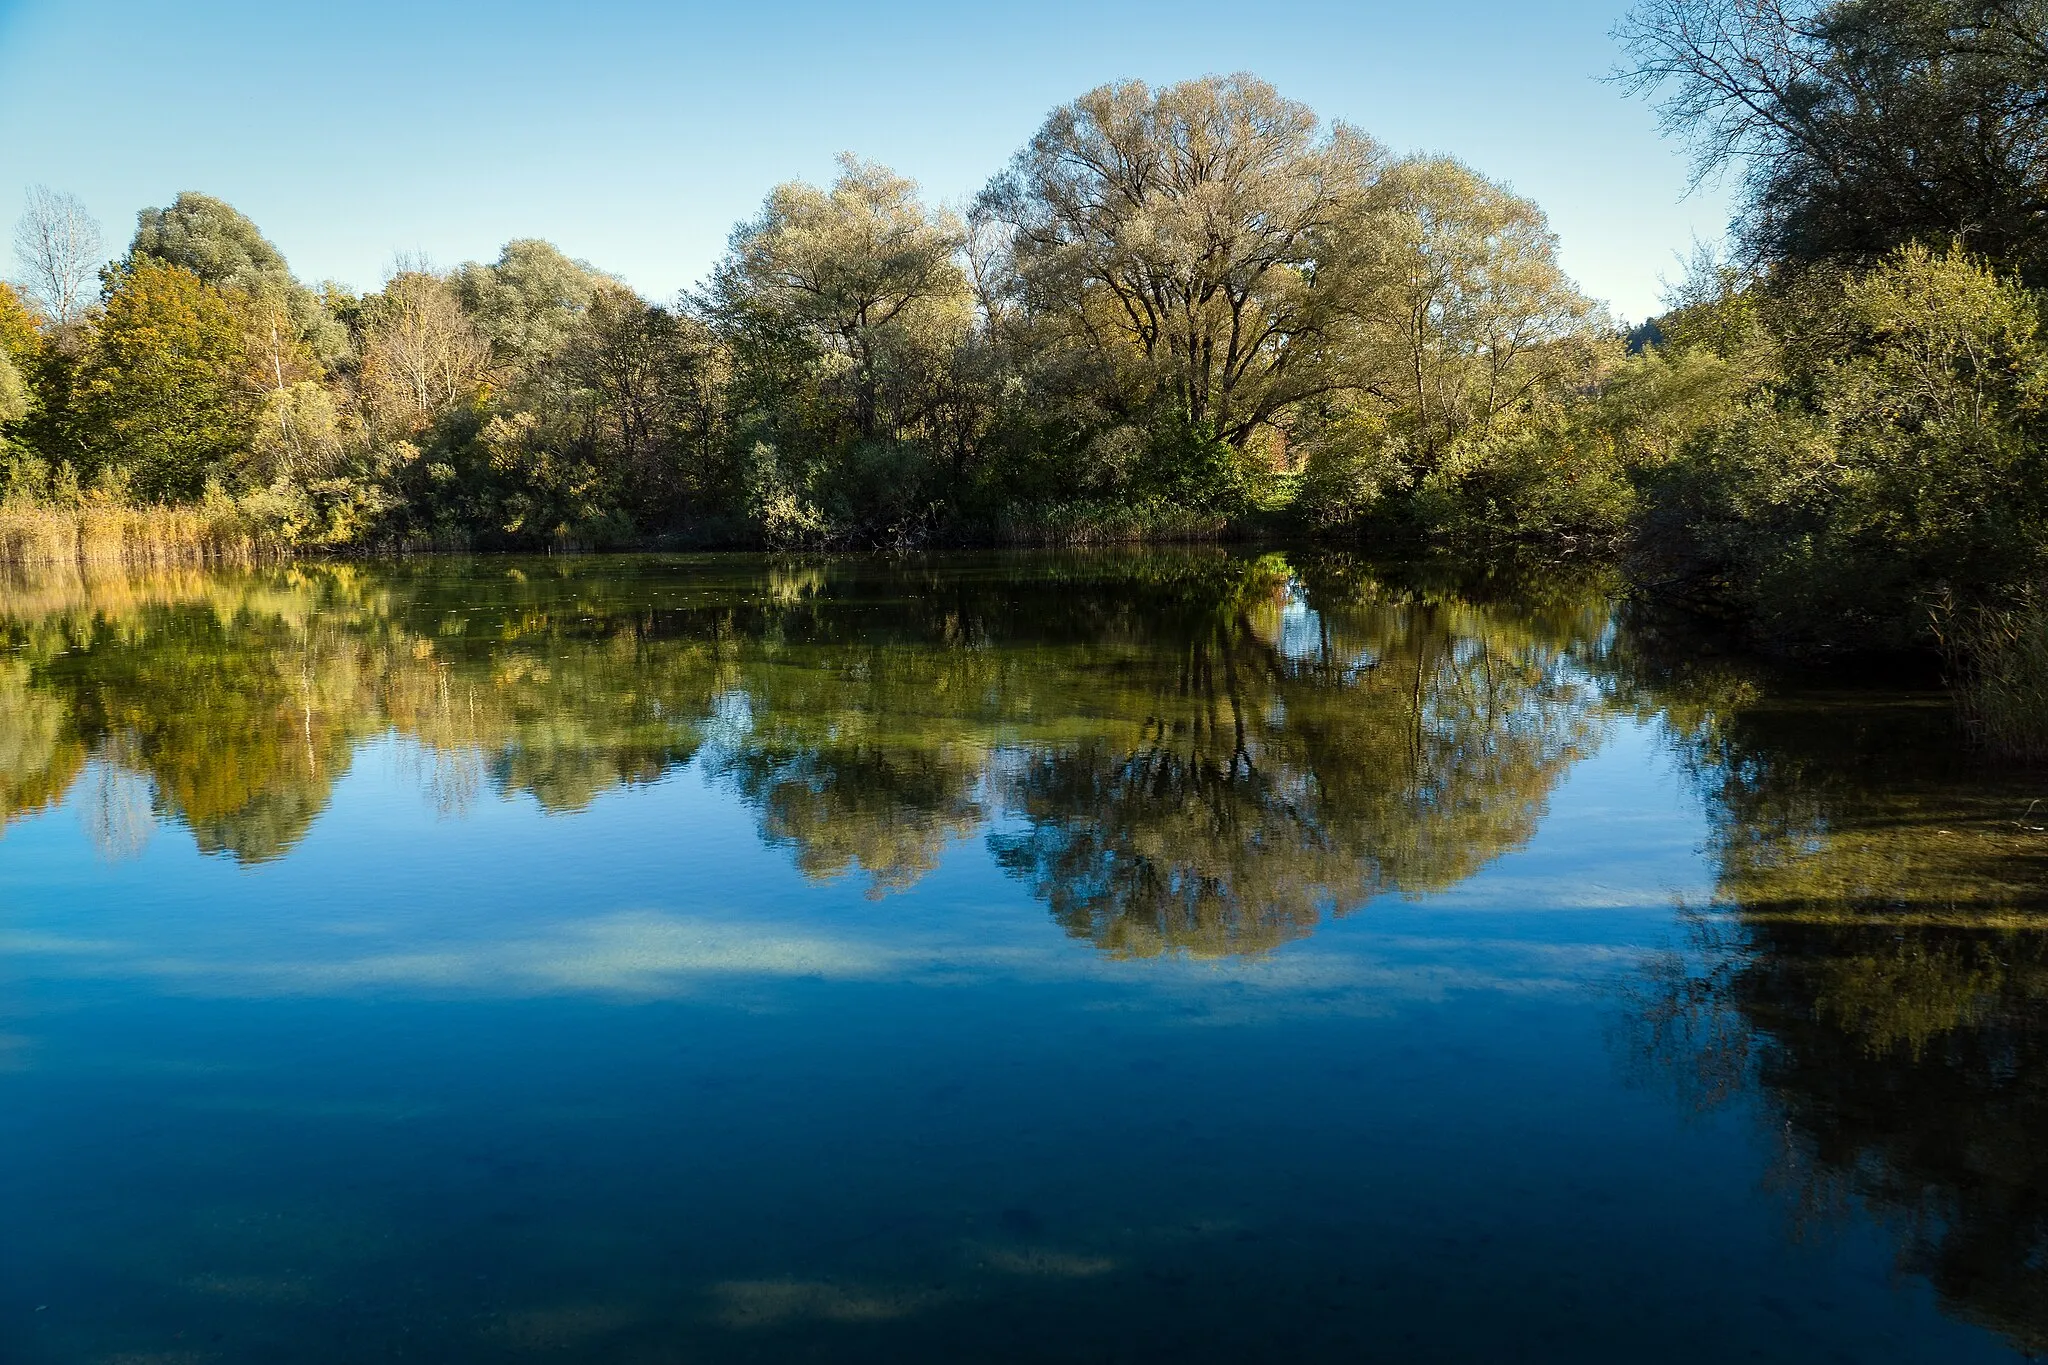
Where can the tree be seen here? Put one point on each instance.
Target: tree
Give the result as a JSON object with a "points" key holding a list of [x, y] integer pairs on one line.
{"points": [[525, 305], [648, 369], [1879, 448], [21, 336], [1861, 125], [421, 355], [848, 272], [60, 250], [163, 389], [1472, 310], [213, 240], [216, 242], [298, 436], [609, 431], [13, 392], [34, 379], [1195, 240]]}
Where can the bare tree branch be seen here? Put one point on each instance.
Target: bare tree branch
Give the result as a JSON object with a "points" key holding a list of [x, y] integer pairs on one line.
{"points": [[61, 252]]}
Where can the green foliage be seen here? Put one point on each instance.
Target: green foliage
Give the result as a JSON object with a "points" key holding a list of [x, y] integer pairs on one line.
{"points": [[163, 386], [1868, 468], [776, 502], [13, 393], [1352, 467], [844, 311], [1172, 299], [1860, 126], [212, 240], [21, 335], [1563, 482], [1195, 468], [1196, 251], [24, 358], [1466, 366], [298, 437], [217, 243], [1997, 655], [527, 303], [1885, 444], [545, 490]]}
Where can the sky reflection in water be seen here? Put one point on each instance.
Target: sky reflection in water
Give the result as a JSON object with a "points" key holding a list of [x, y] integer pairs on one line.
{"points": [[1110, 956]]}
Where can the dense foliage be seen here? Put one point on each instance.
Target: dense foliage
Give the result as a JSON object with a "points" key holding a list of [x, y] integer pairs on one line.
{"points": [[1855, 403], [1171, 304]]}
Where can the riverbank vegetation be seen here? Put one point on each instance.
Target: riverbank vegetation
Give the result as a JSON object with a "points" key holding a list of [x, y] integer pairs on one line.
{"points": [[1185, 312], [1858, 390], [1176, 312]]}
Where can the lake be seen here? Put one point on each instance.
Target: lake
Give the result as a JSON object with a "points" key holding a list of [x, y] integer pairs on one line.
{"points": [[1199, 956]]}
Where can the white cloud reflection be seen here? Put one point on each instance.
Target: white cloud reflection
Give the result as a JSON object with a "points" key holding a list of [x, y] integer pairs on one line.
{"points": [[649, 954]]}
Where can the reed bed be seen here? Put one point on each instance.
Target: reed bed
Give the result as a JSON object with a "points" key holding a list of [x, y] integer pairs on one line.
{"points": [[1107, 523], [135, 536], [1998, 669]]}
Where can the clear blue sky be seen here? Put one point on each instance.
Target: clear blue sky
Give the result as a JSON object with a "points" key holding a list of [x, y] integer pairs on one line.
{"points": [[635, 134]]}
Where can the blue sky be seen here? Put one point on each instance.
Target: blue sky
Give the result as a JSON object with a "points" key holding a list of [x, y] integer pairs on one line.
{"points": [[634, 135]]}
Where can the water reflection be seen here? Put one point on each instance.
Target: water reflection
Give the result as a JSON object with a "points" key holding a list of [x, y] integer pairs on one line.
{"points": [[1195, 751], [1297, 755], [603, 1085], [1875, 970]]}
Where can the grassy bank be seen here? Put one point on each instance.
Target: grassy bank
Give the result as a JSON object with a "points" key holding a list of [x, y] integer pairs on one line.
{"points": [[36, 533]]}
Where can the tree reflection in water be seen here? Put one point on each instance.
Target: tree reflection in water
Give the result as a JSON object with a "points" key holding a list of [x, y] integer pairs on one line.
{"points": [[1875, 971], [1299, 748], [1194, 751], [1201, 752]]}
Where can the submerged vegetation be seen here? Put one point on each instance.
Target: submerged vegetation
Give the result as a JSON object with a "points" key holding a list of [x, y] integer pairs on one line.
{"points": [[1186, 312]]}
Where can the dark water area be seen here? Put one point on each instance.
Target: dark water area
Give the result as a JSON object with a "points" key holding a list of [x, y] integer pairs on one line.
{"points": [[1202, 956]]}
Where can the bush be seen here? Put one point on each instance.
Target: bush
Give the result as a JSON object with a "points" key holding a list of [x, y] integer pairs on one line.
{"points": [[1879, 440]]}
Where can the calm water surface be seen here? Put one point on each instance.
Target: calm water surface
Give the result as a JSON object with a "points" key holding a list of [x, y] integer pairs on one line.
{"points": [[1191, 957]]}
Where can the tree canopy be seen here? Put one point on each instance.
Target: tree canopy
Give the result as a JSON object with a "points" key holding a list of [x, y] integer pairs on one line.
{"points": [[1858, 126], [1169, 303], [216, 242], [166, 382], [1201, 242]]}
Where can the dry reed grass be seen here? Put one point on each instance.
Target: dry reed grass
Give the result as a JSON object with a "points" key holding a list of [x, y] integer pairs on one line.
{"points": [[96, 533]]}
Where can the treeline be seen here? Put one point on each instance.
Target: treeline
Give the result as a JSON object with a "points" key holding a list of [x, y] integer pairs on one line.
{"points": [[1176, 308], [1842, 424], [1181, 311]]}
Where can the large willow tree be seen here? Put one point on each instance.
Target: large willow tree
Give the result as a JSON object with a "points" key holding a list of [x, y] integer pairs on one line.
{"points": [[1193, 240], [852, 276]]}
